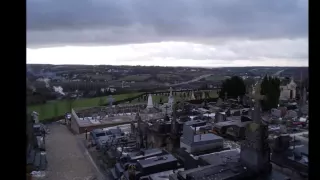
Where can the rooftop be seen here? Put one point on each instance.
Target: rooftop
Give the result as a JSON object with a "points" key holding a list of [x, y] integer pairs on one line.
{"points": [[153, 161], [218, 158], [218, 172], [206, 137], [195, 123], [231, 123], [162, 175]]}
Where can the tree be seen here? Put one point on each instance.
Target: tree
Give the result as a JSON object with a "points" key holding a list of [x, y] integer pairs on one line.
{"points": [[234, 87], [270, 87]]}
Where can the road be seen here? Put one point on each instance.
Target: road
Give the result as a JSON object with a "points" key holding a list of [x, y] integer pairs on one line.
{"points": [[190, 81], [68, 159], [278, 72]]}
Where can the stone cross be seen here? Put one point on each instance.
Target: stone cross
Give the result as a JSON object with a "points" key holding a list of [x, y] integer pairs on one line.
{"points": [[166, 107], [174, 118], [257, 96]]}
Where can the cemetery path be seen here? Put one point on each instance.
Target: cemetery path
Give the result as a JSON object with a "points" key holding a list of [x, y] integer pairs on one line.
{"points": [[67, 158]]}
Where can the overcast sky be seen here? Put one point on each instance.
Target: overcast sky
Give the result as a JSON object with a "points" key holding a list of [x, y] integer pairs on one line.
{"points": [[168, 32]]}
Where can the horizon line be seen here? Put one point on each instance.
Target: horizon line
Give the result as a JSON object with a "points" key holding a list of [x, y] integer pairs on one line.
{"points": [[159, 65]]}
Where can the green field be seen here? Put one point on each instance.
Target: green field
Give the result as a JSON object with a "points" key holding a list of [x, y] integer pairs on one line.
{"points": [[139, 77], [216, 78], [165, 77], [59, 108]]}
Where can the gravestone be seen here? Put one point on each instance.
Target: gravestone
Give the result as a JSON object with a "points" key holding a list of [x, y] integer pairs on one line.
{"points": [[276, 112]]}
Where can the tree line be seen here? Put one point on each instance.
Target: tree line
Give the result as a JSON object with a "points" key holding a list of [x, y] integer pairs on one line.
{"points": [[235, 87]]}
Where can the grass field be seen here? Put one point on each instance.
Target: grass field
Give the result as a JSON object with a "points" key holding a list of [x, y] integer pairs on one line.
{"points": [[58, 108], [216, 78], [165, 77], [139, 77]]}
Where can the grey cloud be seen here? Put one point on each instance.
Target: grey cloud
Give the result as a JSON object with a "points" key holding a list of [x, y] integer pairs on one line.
{"points": [[67, 22]]}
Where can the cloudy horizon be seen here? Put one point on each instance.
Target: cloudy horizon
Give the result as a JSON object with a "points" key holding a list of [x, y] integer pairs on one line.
{"points": [[168, 33]]}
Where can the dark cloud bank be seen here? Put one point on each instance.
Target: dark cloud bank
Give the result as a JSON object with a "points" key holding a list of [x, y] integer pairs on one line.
{"points": [[72, 22]]}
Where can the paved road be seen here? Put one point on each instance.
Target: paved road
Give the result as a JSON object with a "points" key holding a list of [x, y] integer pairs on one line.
{"points": [[67, 158], [193, 80], [278, 72]]}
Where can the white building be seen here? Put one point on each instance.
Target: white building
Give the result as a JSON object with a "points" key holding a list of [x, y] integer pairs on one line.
{"points": [[288, 91]]}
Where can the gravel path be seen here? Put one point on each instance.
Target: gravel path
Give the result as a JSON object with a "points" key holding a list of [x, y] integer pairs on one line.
{"points": [[67, 157]]}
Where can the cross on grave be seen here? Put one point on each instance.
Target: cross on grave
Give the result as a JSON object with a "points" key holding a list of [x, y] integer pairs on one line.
{"points": [[166, 107]]}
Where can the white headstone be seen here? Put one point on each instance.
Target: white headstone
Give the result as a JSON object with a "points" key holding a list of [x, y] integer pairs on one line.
{"points": [[150, 103], [203, 95], [192, 96]]}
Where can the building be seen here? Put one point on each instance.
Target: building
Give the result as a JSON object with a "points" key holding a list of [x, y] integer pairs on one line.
{"points": [[288, 90]]}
